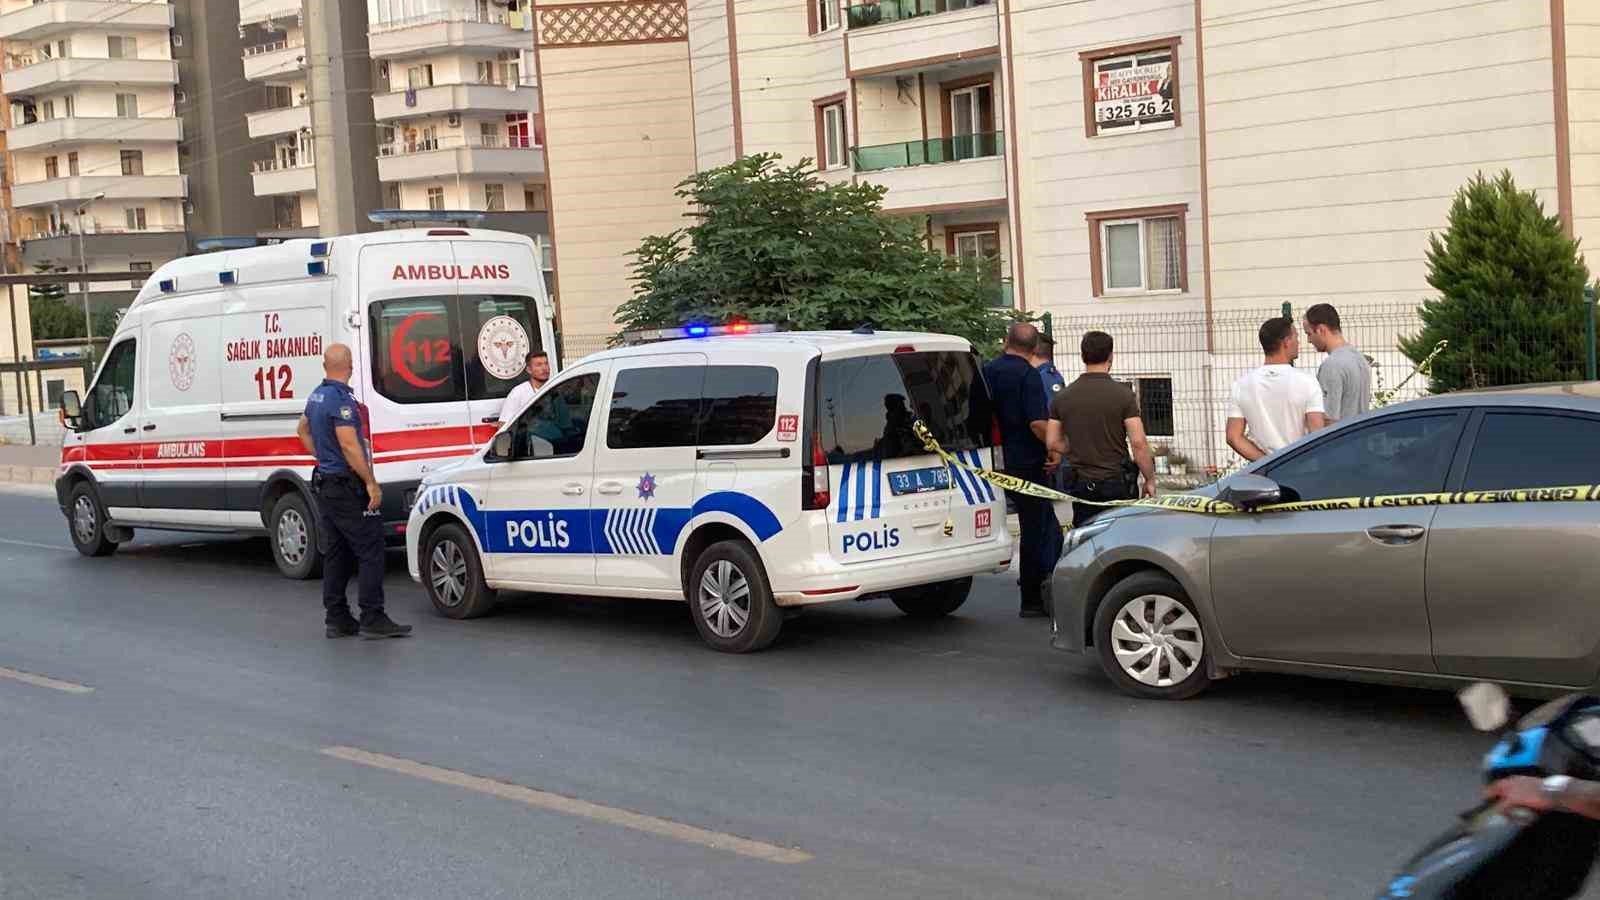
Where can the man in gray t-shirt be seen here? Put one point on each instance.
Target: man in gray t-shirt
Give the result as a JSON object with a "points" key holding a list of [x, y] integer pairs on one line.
{"points": [[1345, 376]]}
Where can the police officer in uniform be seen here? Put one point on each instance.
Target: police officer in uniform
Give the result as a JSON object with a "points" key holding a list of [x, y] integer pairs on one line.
{"points": [[335, 430]]}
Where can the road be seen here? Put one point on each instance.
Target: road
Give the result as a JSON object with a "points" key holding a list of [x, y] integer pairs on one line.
{"points": [[959, 758]]}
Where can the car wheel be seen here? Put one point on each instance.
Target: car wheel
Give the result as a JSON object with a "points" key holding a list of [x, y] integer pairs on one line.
{"points": [[293, 534], [730, 600], [933, 601], [1150, 639], [453, 574], [86, 520]]}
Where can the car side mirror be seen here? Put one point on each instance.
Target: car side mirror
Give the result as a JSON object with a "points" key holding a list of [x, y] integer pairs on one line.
{"points": [[1250, 491], [71, 406], [501, 447]]}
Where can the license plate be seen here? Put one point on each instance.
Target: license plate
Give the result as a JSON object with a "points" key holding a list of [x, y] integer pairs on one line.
{"points": [[919, 481]]}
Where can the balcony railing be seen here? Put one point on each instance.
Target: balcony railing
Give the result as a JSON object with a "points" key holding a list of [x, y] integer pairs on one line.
{"points": [[273, 47], [867, 15], [278, 165], [491, 17], [428, 145], [929, 152], [95, 228]]}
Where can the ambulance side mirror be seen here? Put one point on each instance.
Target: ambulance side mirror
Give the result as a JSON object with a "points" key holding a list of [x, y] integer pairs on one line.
{"points": [[71, 409], [501, 448]]}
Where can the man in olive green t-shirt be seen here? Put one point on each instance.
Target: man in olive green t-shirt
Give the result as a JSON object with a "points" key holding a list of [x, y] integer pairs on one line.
{"points": [[1093, 423]]}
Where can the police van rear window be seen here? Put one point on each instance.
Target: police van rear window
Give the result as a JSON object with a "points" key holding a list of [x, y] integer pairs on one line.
{"points": [[867, 404], [444, 349]]}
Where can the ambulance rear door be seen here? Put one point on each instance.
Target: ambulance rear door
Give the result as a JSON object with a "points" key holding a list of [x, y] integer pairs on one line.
{"points": [[503, 316]]}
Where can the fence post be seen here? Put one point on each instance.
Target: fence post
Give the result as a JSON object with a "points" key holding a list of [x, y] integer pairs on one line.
{"points": [[1588, 305], [1049, 327], [1288, 311], [27, 394]]}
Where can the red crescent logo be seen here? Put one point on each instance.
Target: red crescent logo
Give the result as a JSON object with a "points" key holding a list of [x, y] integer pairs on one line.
{"points": [[397, 356]]}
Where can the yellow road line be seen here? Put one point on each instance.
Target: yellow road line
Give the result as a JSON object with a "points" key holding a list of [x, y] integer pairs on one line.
{"points": [[41, 681], [610, 815]]}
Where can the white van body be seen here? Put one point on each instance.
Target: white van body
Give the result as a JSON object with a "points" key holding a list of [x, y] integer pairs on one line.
{"points": [[639, 471], [191, 422]]}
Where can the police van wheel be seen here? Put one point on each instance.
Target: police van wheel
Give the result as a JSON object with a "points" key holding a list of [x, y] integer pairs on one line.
{"points": [[730, 600], [933, 601], [1150, 639], [86, 520], [293, 534], [453, 575]]}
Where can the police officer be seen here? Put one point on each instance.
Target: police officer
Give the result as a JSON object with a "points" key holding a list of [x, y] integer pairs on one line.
{"points": [[335, 430], [1093, 424]]}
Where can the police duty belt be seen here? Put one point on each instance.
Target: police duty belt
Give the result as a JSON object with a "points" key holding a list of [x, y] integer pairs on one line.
{"points": [[1195, 503]]}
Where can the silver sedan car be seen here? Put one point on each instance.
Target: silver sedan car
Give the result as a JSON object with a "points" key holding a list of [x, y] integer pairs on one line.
{"points": [[1437, 595]]}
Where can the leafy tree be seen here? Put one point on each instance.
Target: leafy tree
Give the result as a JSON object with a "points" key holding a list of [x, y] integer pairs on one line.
{"points": [[54, 315], [1511, 293], [774, 243]]}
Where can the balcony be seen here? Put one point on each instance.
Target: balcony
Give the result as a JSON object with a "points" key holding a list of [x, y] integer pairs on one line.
{"points": [[457, 30], [908, 36], [43, 20], [75, 189], [271, 179], [153, 244], [275, 61], [448, 98], [252, 12], [82, 130], [26, 75], [962, 170], [429, 160], [273, 122]]}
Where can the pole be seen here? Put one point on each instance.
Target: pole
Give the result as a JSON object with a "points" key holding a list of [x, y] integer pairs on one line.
{"points": [[83, 268], [16, 351], [27, 393], [1588, 305]]}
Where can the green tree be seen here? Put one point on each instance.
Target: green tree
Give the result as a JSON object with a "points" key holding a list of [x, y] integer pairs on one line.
{"points": [[774, 243], [55, 316], [1511, 293]]}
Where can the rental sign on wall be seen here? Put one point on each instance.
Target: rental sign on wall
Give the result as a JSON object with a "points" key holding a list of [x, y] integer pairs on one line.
{"points": [[1134, 92]]}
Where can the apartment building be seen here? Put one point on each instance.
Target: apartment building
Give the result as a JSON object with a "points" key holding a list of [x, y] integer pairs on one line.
{"points": [[93, 136], [272, 35]]}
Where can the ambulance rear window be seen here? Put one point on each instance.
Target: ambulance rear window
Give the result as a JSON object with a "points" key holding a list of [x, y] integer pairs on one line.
{"points": [[446, 349], [869, 402]]}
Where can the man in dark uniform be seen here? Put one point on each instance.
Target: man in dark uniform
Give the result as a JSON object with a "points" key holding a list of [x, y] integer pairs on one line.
{"points": [[336, 431], [1018, 395], [1093, 423]]}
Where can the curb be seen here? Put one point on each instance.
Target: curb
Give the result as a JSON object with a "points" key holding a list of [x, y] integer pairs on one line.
{"points": [[28, 474]]}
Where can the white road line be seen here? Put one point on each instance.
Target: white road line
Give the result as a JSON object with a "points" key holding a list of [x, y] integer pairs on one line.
{"points": [[582, 808], [36, 546], [53, 684]]}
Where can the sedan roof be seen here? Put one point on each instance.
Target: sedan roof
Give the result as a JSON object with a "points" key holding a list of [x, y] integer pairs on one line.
{"points": [[1583, 395]]}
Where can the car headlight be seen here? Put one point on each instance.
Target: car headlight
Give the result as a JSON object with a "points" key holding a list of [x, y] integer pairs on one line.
{"points": [[1078, 536]]}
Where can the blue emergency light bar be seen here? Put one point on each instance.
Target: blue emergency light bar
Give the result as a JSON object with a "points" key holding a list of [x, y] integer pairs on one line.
{"points": [[228, 276], [695, 330], [321, 249], [168, 285], [316, 267]]}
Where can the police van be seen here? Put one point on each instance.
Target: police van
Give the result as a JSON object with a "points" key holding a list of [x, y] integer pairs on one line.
{"points": [[748, 474], [190, 422]]}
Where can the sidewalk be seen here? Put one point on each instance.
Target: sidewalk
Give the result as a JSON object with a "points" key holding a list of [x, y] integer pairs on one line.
{"points": [[28, 465]]}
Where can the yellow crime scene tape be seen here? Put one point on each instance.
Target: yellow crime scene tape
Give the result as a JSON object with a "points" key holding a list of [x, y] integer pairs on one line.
{"points": [[1194, 503]]}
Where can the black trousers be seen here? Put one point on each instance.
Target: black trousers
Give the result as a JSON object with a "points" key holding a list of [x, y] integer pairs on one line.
{"points": [[1082, 513], [1035, 519], [351, 541]]}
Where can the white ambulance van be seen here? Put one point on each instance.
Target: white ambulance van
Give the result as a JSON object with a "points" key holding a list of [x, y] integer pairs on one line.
{"points": [[190, 422], [747, 474]]}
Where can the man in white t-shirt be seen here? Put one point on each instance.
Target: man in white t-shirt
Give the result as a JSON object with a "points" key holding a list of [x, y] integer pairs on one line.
{"points": [[522, 394], [1277, 404]]}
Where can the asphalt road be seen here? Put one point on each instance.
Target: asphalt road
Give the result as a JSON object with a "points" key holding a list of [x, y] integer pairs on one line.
{"points": [[960, 758]]}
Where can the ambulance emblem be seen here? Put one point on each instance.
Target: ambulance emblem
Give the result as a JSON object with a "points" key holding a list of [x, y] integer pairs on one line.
{"points": [[181, 362], [503, 347]]}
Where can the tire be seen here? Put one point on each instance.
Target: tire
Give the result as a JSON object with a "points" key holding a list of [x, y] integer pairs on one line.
{"points": [[1181, 656], [292, 532], [933, 601], [452, 574], [86, 522], [728, 582]]}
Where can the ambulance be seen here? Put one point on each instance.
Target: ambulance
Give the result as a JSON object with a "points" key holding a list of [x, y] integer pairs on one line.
{"points": [[190, 423], [749, 474]]}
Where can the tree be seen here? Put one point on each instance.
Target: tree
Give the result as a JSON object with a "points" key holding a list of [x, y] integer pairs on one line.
{"points": [[1511, 293], [54, 316], [775, 243]]}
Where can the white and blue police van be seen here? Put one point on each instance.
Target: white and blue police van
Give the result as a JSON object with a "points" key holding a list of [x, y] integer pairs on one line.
{"points": [[745, 471], [190, 421]]}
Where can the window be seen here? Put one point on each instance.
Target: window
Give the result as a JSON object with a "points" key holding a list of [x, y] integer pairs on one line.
{"points": [[136, 218], [832, 146], [286, 212], [141, 272], [127, 106], [72, 163], [827, 14], [121, 47], [973, 242], [554, 425], [488, 134], [112, 396], [1131, 88], [969, 119], [1155, 403], [867, 404], [1138, 250], [689, 406], [494, 197], [420, 353], [1398, 455], [547, 259], [71, 105], [517, 130], [133, 162], [476, 310], [1533, 450], [419, 76], [52, 167], [391, 196], [486, 71], [739, 405], [436, 198], [47, 110], [533, 198]]}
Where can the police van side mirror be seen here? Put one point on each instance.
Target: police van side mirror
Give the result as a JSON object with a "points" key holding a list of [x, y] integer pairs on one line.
{"points": [[71, 410], [501, 448]]}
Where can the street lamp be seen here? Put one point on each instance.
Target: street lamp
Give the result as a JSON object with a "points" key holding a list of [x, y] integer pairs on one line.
{"points": [[83, 269]]}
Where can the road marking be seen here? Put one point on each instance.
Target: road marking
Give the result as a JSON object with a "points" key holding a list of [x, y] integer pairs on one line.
{"points": [[36, 546], [610, 815], [41, 681]]}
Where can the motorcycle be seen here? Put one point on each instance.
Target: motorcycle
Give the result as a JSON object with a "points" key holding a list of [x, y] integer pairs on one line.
{"points": [[1495, 853]]}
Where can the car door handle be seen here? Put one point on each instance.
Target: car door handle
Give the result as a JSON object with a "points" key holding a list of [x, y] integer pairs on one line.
{"points": [[491, 420], [1396, 534], [573, 490], [610, 487], [150, 427], [129, 430]]}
